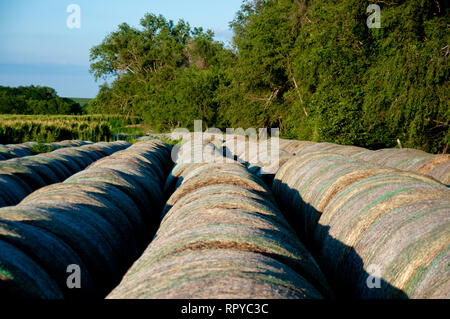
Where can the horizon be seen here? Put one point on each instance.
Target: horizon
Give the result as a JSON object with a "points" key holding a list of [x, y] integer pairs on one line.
{"points": [[37, 47]]}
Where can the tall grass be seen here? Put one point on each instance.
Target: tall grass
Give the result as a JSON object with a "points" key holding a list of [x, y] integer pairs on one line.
{"points": [[45, 128]]}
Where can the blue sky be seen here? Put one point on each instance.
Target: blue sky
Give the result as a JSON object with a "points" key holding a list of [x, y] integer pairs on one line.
{"points": [[37, 47]]}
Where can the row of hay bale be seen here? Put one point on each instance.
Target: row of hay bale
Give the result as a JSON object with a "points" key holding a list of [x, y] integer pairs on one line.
{"points": [[99, 219], [9, 151], [19, 177], [221, 236], [436, 166], [262, 157], [364, 222]]}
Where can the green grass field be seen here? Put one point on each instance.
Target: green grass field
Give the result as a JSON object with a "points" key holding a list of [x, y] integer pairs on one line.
{"points": [[51, 128]]}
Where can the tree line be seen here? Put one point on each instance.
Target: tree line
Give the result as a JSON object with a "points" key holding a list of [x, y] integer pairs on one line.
{"points": [[35, 100], [313, 68]]}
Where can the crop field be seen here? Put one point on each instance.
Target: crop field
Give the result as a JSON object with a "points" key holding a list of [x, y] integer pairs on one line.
{"points": [[52, 128], [151, 220]]}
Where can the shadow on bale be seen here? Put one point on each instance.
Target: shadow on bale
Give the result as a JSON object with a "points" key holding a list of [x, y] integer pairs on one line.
{"points": [[266, 178], [343, 289]]}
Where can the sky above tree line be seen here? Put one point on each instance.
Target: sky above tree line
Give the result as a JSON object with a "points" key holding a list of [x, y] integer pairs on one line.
{"points": [[38, 48]]}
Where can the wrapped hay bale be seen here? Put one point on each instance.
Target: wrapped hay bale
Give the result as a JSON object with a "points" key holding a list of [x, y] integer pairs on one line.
{"points": [[218, 211], [19, 150], [261, 157], [77, 229], [294, 147], [439, 171], [436, 166], [90, 220], [85, 197], [214, 274], [357, 216], [46, 173], [69, 163], [81, 158], [415, 218], [27, 174], [49, 252], [344, 150], [120, 200], [34, 172], [121, 181], [22, 278], [243, 179], [57, 167], [6, 153], [13, 189]]}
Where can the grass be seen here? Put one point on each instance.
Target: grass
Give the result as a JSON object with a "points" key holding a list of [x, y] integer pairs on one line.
{"points": [[51, 128]]}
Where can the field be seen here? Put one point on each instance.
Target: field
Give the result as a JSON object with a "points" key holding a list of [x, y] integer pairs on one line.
{"points": [[146, 220], [51, 128]]}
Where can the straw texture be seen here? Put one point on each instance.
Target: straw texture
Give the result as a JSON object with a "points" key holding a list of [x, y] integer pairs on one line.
{"points": [[222, 236], [90, 220], [21, 176], [353, 215]]}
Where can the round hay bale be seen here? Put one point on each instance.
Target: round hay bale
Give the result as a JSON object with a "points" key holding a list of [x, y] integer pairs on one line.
{"points": [[356, 210], [13, 189], [215, 274], [122, 201], [194, 171], [441, 172], [297, 146], [287, 175], [120, 180], [92, 155], [230, 200], [44, 172], [218, 189], [232, 178], [65, 160], [416, 266], [132, 161], [22, 278], [19, 150], [80, 231], [178, 170], [80, 158], [27, 174], [49, 252], [223, 207], [58, 168], [144, 177], [225, 228], [118, 228], [334, 200]]}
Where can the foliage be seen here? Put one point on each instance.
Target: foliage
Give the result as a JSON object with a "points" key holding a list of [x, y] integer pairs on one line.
{"points": [[322, 74], [35, 100], [310, 67]]}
